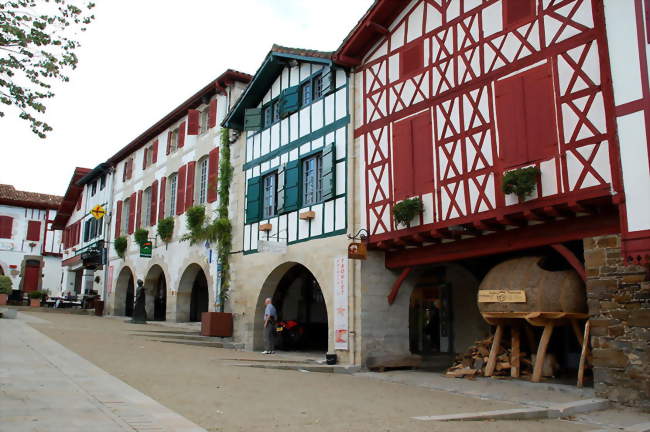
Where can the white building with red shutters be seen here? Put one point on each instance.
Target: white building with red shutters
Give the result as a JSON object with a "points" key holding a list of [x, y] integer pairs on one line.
{"points": [[84, 237], [169, 168], [450, 96], [30, 251]]}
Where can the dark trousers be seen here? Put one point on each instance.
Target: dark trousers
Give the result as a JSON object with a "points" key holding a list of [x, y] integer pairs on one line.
{"points": [[269, 336]]}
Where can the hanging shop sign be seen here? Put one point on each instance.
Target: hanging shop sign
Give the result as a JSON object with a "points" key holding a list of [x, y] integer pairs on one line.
{"points": [[357, 251], [502, 296], [145, 249], [98, 212]]}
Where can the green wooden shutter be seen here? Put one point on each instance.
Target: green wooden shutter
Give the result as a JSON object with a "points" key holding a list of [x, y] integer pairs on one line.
{"points": [[291, 187], [328, 171], [289, 101], [329, 80], [253, 119], [254, 200], [280, 190]]}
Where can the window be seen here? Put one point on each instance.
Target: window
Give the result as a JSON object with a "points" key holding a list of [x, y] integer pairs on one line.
{"points": [[172, 145], [517, 12], [276, 110], [202, 181], [204, 121], [126, 207], [306, 91], [318, 86], [93, 188], [525, 108], [146, 207], [33, 230], [269, 195], [171, 201], [268, 115], [311, 180], [102, 182], [411, 59], [413, 156]]}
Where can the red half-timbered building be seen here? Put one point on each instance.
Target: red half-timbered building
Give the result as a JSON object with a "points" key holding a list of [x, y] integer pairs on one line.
{"points": [[450, 96]]}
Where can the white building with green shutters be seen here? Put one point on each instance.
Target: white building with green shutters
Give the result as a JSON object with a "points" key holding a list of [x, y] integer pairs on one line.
{"points": [[291, 173]]}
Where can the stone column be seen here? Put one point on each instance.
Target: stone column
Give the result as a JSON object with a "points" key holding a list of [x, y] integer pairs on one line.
{"points": [[619, 307]]}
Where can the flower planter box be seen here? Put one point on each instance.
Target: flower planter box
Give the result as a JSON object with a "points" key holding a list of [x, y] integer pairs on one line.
{"points": [[216, 324], [266, 227], [35, 302], [308, 215], [3, 299]]}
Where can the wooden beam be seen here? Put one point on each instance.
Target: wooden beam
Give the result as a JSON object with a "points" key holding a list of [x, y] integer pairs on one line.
{"points": [[398, 284], [571, 259], [515, 355], [507, 241], [377, 27], [583, 355], [494, 351], [541, 351]]}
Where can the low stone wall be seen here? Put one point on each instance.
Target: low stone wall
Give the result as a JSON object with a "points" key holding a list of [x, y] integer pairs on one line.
{"points": [[619, 308]]}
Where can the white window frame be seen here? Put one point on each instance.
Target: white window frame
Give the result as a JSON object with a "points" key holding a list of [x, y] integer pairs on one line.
{"points": [[312, 190], [126, 208], [145, 215], [202, 181], [172, 181], [269, 195], [204, 120]]}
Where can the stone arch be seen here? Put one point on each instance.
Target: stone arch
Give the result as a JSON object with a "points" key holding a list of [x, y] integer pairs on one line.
{"points": [[193, 294], [124, 292], [155, 287], [294, 276]]}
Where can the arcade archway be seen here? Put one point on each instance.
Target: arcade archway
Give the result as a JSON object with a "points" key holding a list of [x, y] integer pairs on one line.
{"points": [[155, 285], [124, 293], [299, 301], [193, 296]]}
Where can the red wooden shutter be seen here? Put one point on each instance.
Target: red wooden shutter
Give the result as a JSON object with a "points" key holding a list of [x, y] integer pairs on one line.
{"points": [[169, 142], [77, 237], [6, 226], [180, 190], [541, 126], [402, 160], [144, 160], [422, 153], [411, 59], [118, 218], [212, 114], [189, 190], [181, 135], [154, 203], [193, 122], [511, 121], [516, 12], [154, 152], [138, 216], [130, 168], [132, 204], [213, 174], [161, 195], [34, 230]]}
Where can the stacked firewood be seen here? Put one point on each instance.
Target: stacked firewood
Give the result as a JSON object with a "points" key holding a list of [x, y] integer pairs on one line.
{"points": [[473, 362]]}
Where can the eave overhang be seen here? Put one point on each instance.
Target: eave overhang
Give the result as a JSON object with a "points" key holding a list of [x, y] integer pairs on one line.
{"points": [[67, 206]]}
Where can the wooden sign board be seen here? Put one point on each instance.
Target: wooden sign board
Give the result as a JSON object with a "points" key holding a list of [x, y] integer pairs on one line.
{"points": [[502, 296], [357, 251]]}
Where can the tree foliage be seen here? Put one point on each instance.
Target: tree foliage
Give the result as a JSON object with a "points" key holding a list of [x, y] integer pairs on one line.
{"points": [[37, 48]]}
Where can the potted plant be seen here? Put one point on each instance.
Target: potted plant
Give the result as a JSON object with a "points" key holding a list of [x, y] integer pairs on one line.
{"points": [[5, 289], [141, 236], [405, 211], [35, 298], [521, 182], [120, 245], [166, 229]]}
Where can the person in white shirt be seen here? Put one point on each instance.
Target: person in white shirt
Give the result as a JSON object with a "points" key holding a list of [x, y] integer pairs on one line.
{"points": [[270, 318]]}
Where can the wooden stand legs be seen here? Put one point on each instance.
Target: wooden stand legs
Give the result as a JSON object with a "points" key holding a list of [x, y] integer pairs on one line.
{"points": [[515, 367], [583, 354], [541, 352], [494, 351]]}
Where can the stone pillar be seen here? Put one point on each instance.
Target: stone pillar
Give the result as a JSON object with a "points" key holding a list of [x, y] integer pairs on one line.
{"points": [[619, 307]]}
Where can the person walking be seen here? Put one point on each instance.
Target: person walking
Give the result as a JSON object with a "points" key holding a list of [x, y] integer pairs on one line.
{"points": [[270, 318]]}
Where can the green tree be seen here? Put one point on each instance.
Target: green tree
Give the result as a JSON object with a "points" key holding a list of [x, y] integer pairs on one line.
{"points": [[37, 48]]}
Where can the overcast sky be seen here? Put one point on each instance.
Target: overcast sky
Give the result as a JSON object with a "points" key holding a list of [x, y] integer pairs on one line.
{"points": [[142, 58]]}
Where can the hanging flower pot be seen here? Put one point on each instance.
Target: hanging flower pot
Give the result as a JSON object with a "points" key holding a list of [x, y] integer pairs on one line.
{"points": [[521, 182]]}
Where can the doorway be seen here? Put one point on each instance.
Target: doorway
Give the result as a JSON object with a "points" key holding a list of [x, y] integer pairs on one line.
{"points": [[124, 293], [32, 275], [430, 315], [193, 297], [155, 287]]}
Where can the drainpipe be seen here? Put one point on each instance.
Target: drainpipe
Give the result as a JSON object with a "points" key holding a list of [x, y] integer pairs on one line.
{"points": [[107, 232]]}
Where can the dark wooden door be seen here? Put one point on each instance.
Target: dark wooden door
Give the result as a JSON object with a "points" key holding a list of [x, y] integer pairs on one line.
{"points": [[32, 276]]}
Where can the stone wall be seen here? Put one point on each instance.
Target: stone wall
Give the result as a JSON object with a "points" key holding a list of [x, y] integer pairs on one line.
{"points": [[619, 308]]}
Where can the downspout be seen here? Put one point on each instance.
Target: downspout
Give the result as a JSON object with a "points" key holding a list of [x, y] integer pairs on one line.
{"points": [[107, 233]]}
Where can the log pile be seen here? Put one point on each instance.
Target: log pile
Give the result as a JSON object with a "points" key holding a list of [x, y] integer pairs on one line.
{"points": [[473, 362]]}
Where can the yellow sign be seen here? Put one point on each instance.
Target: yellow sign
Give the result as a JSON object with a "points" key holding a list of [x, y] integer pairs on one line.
{"points": [[98, 212], [502, 296]]}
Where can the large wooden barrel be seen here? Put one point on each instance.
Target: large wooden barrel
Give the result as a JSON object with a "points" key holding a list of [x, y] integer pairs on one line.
{"points": [[546, 291]]}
